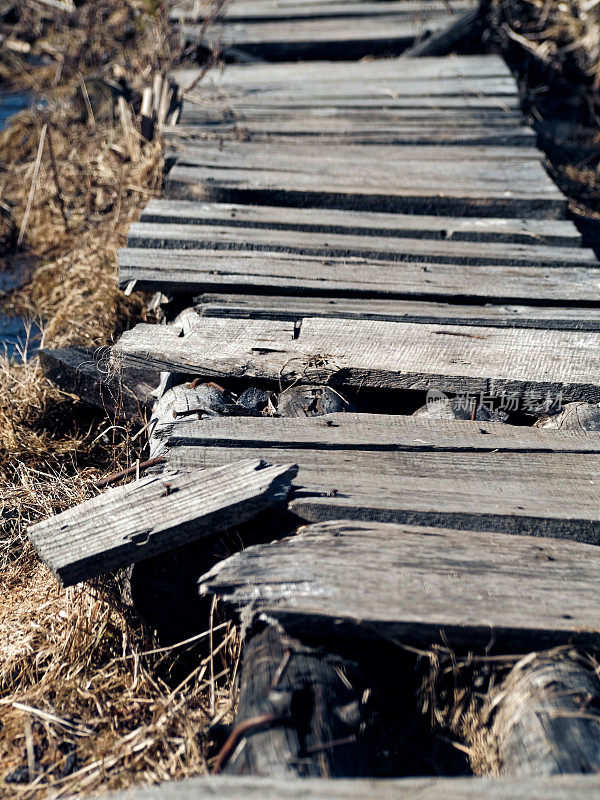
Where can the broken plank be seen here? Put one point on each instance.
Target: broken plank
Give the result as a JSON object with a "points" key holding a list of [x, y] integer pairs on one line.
{"points": [[557, 787], [391, 355], [328, 245], [295, 308], [418, 586], [155, 514], [90, 376], [556, 233]]}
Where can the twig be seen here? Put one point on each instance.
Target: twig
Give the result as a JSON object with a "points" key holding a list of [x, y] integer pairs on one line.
{"points": [[212, 660], [36, 170], [86, 98], [251, 724], [130, 133], [130, 471]]}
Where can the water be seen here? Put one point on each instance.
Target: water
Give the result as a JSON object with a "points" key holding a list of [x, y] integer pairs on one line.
{"points": [[18, 338]]}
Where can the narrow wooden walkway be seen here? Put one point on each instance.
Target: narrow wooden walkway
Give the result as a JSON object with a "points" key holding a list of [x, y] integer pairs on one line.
{"points": [[376, 230]]}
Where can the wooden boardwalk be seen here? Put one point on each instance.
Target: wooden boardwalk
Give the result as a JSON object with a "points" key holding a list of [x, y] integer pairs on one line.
{"points": [[375, 234]]}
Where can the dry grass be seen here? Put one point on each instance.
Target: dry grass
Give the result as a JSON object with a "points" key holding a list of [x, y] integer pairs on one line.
{"points": [[87, 700]]}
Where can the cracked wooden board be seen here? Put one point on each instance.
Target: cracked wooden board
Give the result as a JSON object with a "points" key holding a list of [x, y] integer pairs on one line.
{"points": [[295, 308], [559, 787], [154, 514], [417, 586], [251, 271], [555, 233], [363, 353]]}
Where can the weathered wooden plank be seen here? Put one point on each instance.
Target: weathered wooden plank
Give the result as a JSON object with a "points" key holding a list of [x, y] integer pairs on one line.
{"points": [[155, 514], [93, 379], [376, 432], [561, 787], [327, 245], [306, 38], [556, 233], [294, 743], [542, 719], [271, 10], [340, 128], [365, 178], [189, 272], [434, 69], [366, 353], [295, 308], [418, 586]]}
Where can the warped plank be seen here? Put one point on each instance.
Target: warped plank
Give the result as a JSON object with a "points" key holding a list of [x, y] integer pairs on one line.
{"points": [[338, 38], [560, 787], [556, 233], [294, 308], [244, 11], [189, 272], [365, 178], [155, 514], [394, 355], [327, 245], [418, 585]]}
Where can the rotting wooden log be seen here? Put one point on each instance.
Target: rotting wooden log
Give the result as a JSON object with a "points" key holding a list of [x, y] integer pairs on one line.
{"points": [[442, 40], [155, 514], [90, 376], [417, 586], [557, 365], [545, 718], [573, 417], [300, 713], [560, 787]]}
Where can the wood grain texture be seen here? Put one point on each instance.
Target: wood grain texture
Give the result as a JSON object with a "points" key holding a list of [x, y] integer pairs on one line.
{"points": [[544, 718], [125, 393], [571, 787], [155, 514], [551, 233], [295, 308], [463, 27], [390, 355], [328, 245], [364, 178], [251, 271], [417, 585], [305, 690]]}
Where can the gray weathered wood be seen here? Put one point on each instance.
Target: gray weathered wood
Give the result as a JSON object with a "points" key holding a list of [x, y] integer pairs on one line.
{"points": [[571, 787], [307, 38], [484, 476], [556, 233], [394, 355], [155, 514], [327, 245], [545, 719], [190, 272], [295, 308], [267, 10], [417, 585], [120, 393], [276, 672], [376, 432], [364, 178]]}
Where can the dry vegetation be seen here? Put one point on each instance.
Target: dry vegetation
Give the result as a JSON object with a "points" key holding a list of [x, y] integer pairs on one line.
{"points": [[87, 700]]}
